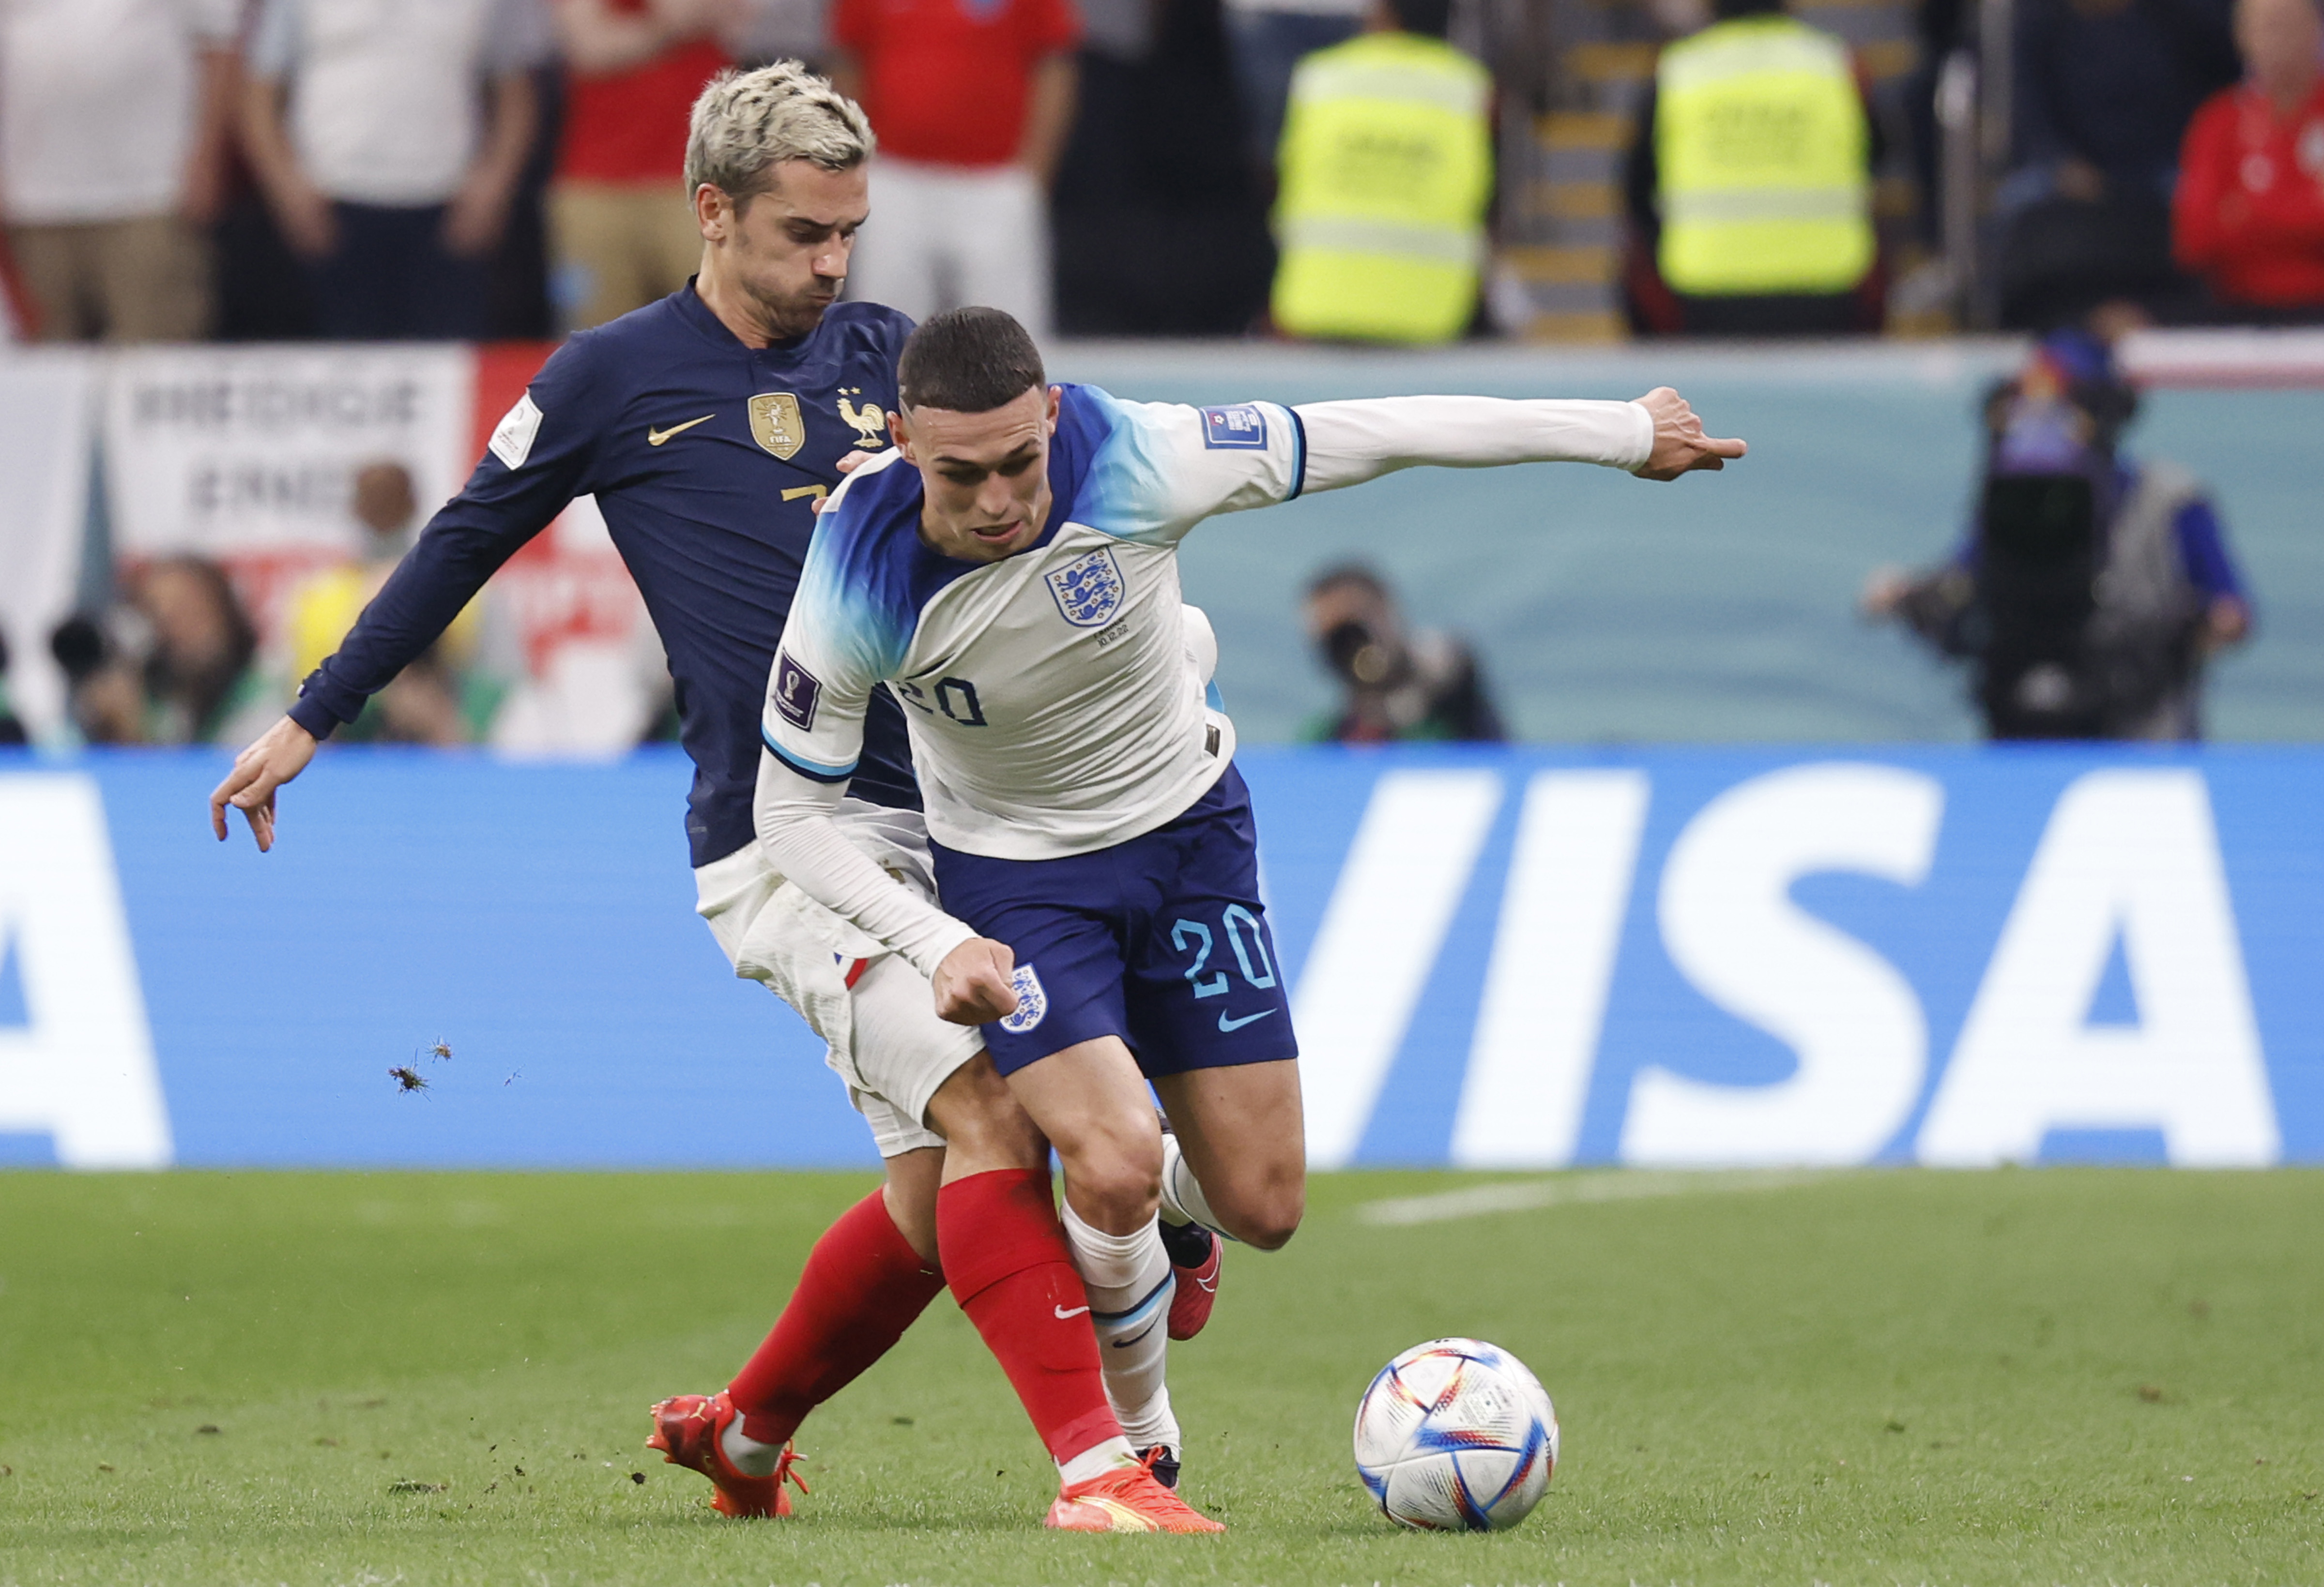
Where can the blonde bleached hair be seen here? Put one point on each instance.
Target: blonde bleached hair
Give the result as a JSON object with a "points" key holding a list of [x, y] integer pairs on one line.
{"points": [[746, 123]]}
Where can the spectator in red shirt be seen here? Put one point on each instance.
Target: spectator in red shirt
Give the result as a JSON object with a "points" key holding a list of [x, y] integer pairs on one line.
{"points": [[621, 221], [971, 100], [2249, 213]]}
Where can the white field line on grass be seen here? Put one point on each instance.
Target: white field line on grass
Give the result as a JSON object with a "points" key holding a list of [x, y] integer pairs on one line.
{"points": [[1521, 1195]]}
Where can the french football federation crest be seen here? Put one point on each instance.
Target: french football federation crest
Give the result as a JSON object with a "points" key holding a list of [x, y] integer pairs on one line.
{"points": [[1032, 1000], [1089, 588], [869, 421], [777, 424]]}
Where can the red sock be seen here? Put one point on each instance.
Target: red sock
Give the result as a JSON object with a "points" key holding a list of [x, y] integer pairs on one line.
{"points": [[862, 1287], [1006, 1258]]}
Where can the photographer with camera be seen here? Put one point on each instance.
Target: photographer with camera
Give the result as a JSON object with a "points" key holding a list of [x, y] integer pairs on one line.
{"points": [[2092, 588], [176, 664], [1423, 685]]}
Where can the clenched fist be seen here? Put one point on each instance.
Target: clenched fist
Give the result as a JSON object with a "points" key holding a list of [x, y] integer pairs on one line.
{"points": [[973, 983]]}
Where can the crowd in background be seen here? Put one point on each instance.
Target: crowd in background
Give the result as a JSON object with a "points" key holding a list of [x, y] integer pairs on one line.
{"points": [[2169, 155], [363, 169], [173, 170]]}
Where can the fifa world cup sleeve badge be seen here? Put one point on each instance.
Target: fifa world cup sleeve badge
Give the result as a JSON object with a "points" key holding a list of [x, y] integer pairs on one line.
{"points": [[796, 692], [1032, 1000]]}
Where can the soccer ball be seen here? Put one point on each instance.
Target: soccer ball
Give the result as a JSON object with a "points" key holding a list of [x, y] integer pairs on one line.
{"points": [[1456, 1436]]}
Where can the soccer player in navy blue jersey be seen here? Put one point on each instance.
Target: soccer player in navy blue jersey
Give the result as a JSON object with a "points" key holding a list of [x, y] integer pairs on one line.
{"points": [[708, 426]]}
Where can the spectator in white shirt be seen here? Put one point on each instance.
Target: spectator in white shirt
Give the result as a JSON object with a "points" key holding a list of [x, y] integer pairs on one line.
{"points": [[389, 139], [114, 116]]}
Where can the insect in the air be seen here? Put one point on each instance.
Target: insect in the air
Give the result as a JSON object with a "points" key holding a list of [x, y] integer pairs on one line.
{"points": [[407, 1079], [439, 1050], [514, 1077]]}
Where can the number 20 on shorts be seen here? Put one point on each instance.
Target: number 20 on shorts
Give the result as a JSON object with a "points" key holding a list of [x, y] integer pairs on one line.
{"points": [[1244, 935]]}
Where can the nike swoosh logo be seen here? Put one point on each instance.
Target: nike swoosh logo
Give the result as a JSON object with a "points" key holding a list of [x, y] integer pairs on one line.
{"points": [[1064, 1315], [1227, 1024], [654, 438], [1142, 1332]]}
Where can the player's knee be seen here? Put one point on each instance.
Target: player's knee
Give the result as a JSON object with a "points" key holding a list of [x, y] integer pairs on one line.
{"points": [[1123, 1180], [1271, 1225], [1265, 1216]]}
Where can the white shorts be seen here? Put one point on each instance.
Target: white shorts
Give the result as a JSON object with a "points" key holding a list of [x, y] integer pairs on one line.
{"points": [[951, 236], [880, 1031]]}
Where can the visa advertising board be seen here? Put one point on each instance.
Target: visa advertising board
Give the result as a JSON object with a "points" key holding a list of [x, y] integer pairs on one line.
{"points": [[1500, 958]]}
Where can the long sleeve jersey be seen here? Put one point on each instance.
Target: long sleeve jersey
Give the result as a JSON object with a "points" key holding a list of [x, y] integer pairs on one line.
{"points": [[706, 459], [1051, 701]]}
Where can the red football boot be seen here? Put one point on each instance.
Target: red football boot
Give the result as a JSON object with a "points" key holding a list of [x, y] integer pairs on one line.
{"points": [[1126, 1499], [1198, 1286], [686, 1430]]}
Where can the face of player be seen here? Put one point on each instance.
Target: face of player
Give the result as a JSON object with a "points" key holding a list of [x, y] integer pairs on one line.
{"points": [[985, 475], [779, 258], [2279, 39]]}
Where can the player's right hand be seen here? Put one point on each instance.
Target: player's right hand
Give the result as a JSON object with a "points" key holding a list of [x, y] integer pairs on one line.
{"points": [[975, 984], [273, 759]]}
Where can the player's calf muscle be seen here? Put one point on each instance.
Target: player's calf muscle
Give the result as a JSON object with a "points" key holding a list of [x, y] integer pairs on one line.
{"points": [[1241, 1129]]}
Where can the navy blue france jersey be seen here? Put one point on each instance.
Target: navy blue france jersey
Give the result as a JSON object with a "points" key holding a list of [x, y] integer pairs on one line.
{"points": [[706, 459]]}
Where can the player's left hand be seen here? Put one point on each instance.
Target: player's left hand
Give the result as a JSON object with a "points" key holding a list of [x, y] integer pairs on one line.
{"points": [[847, 465], [974, 983], [1680, 445], [273, 759]]}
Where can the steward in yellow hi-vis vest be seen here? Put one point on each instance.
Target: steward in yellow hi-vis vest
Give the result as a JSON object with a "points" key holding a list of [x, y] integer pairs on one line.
{"points": [[1386, 166], [1760, 146]]}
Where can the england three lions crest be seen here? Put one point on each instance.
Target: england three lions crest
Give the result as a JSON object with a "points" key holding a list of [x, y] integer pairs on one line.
{"points": [[1089, 588], [1032, 1000]]}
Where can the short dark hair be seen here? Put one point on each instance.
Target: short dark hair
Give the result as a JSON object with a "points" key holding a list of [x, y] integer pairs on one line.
{"points": [[1432, 18], [1348, 576], [968, 360]]}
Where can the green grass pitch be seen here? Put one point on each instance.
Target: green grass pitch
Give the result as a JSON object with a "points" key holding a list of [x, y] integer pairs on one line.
{"points": [[2062, 1376]]}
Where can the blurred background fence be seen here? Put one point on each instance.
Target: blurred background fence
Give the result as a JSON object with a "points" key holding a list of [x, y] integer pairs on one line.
{"points": [[1604, 611]]}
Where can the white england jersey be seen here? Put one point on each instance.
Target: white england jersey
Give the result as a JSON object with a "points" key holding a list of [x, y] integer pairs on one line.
{"points": [[1053, 706]]}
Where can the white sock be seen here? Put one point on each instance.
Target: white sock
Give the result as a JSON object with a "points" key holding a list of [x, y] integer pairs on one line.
{"points": [[746, 1454], [1130, 1284], [1096, 1461], [1182, 1196]]}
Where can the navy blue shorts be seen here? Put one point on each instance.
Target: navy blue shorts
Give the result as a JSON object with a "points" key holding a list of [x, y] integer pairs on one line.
{"points": [[1160, 941]]}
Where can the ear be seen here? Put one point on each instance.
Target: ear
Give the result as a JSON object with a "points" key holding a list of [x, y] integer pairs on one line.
{"points": [[1055, 394], [900, 433], [714, 213]]}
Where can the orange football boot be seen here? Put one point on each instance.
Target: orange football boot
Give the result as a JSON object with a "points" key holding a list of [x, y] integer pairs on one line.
{"points": [[1126, 1499]]}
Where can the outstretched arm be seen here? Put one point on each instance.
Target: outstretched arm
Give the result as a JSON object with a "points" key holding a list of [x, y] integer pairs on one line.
{"points": [[1657, 437], [537, 463], [1192, 463], [457, 552]]}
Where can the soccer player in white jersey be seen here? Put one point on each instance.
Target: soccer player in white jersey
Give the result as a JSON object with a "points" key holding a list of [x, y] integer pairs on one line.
{"points": [[1008, 572]]}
